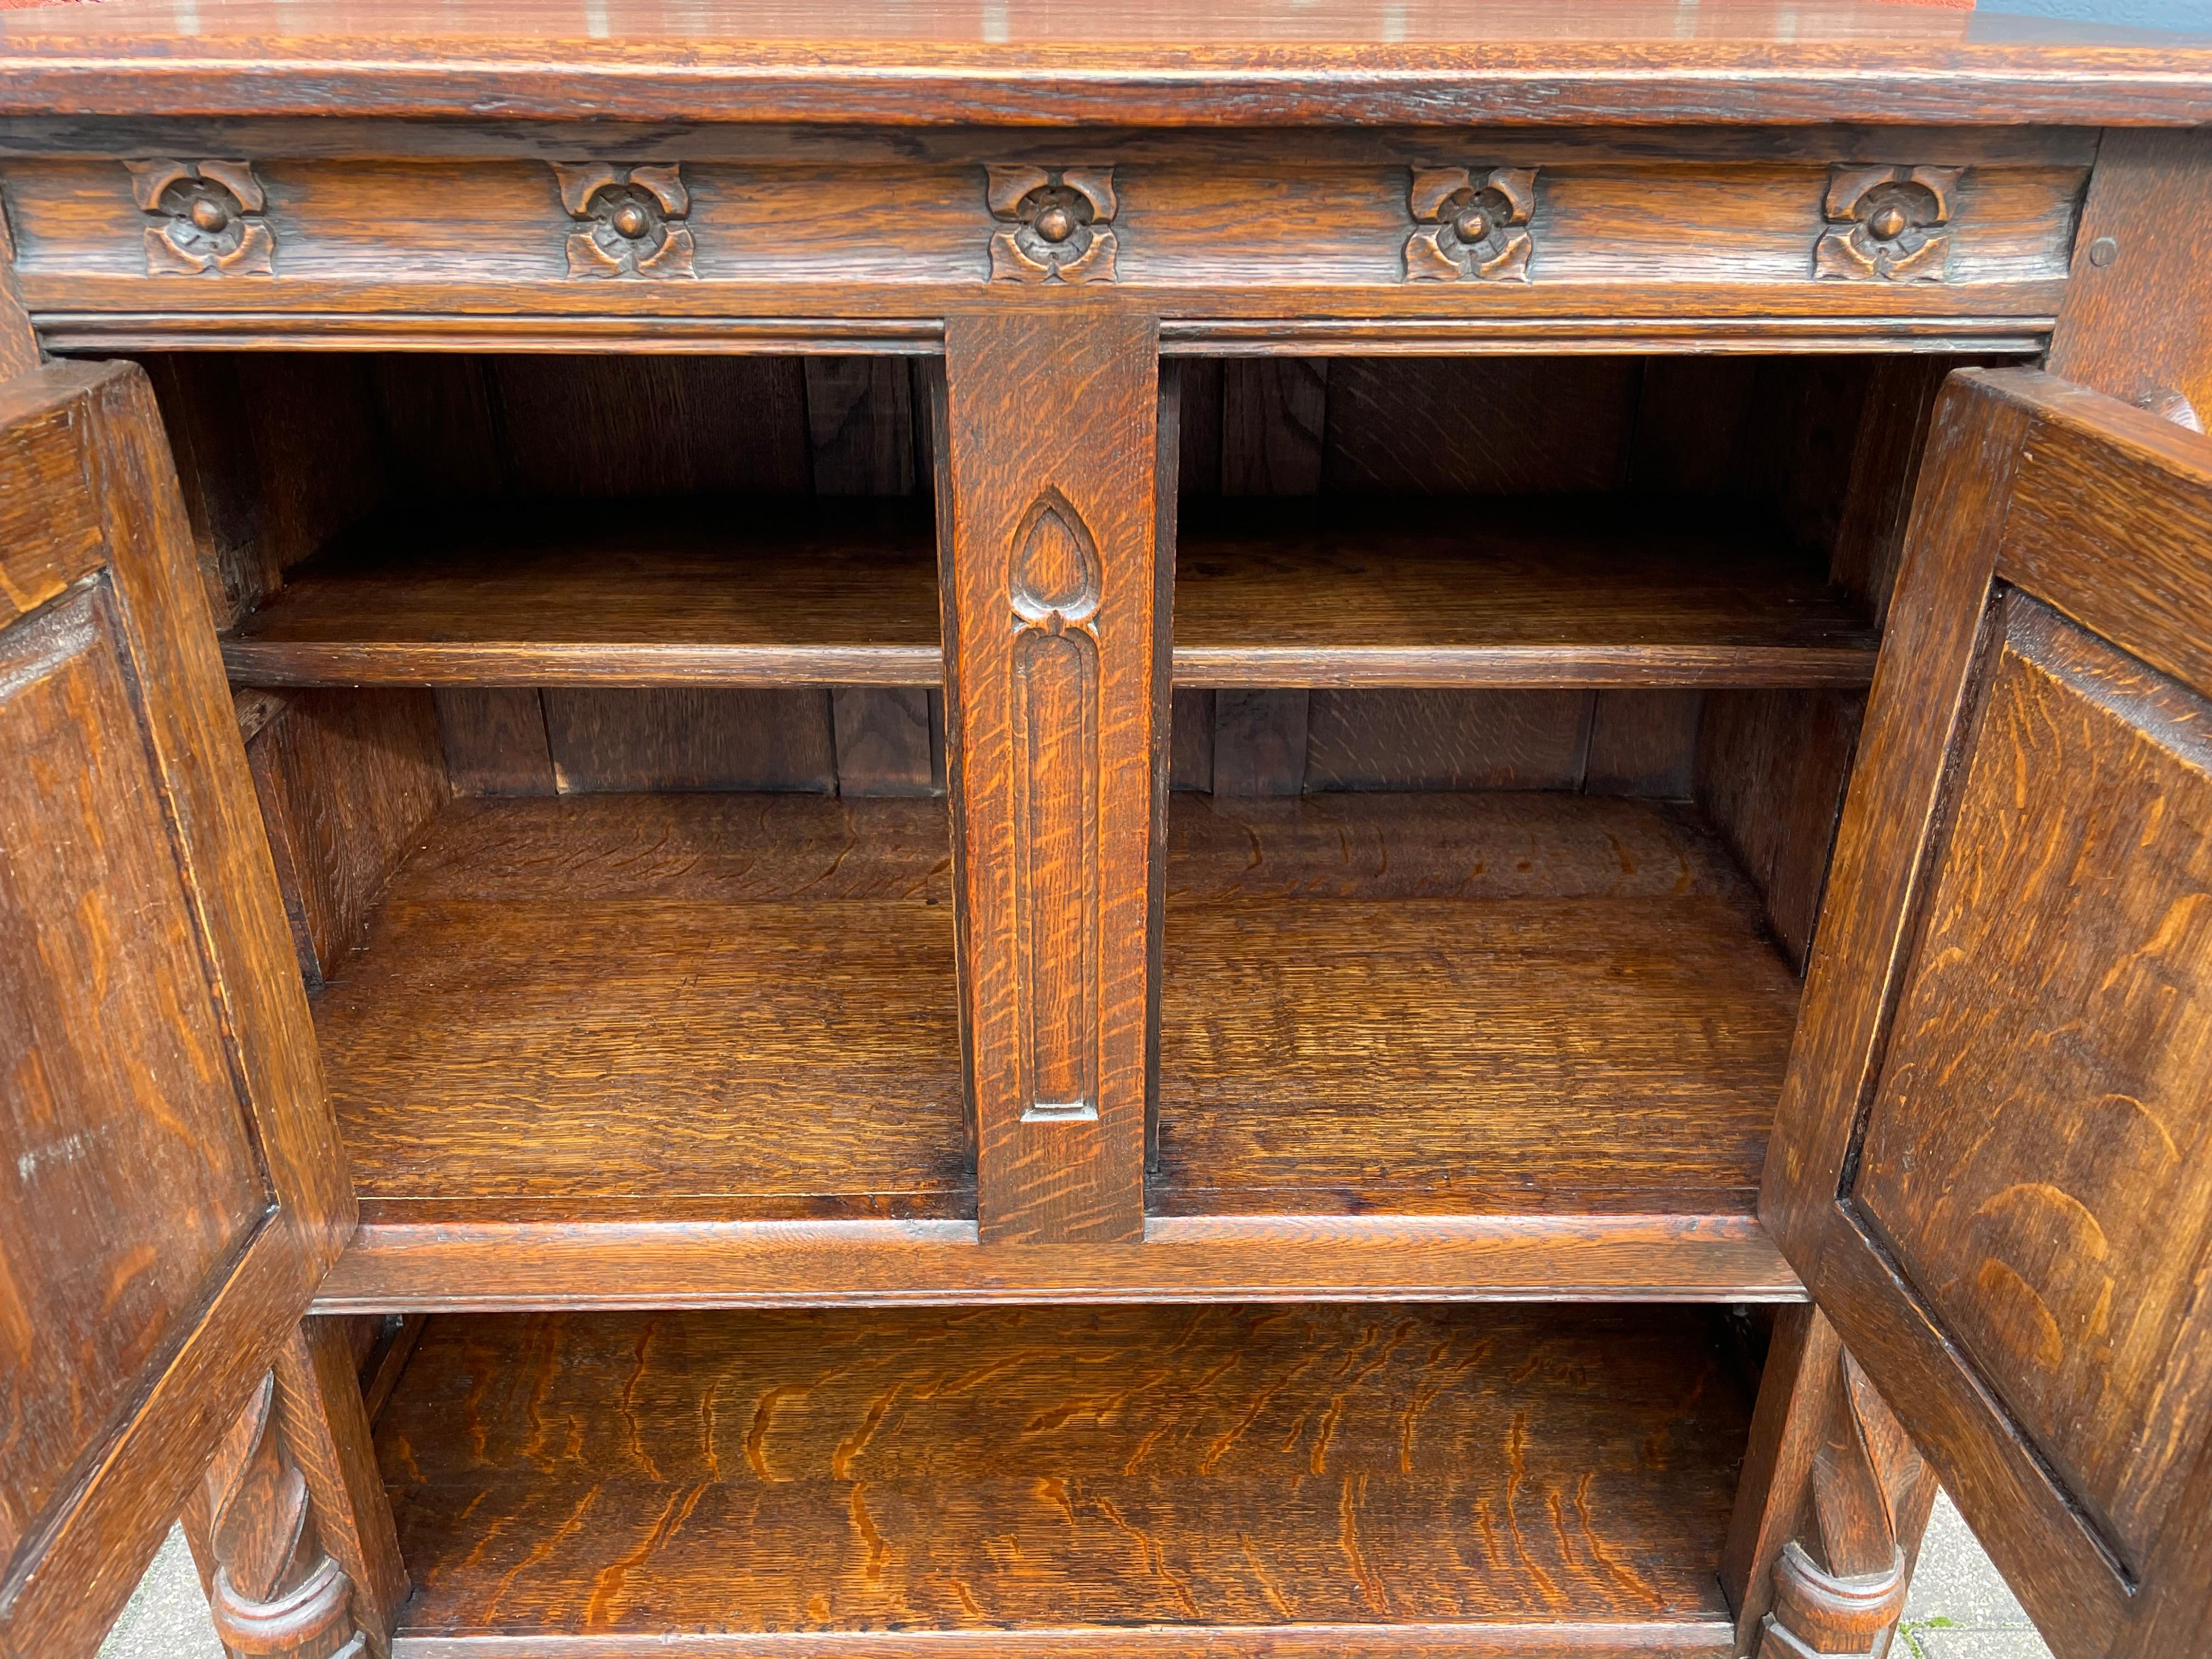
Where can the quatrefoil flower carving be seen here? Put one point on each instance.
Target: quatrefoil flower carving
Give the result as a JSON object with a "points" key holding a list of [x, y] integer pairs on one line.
{"points": [[1055, 224], [1887, 223], [207, 217], [629, 221], [1469, 225]]}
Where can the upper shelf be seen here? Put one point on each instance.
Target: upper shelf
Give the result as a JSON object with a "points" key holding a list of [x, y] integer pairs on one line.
{"points": [[1165, 61], [1433, 592]]}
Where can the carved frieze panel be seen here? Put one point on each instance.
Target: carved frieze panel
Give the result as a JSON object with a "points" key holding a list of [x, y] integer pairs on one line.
{"points": [[1887, 223], [207, 216], [1470, 225], [1055, 224], [628, 221]]}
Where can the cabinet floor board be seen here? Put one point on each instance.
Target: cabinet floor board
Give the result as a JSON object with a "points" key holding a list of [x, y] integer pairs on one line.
{"points": [[651, 1005], [1446, 1003], [1153, 1473]]}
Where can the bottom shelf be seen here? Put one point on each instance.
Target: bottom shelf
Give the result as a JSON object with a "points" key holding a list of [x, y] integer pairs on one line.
{"points": [[1139, 1479]]}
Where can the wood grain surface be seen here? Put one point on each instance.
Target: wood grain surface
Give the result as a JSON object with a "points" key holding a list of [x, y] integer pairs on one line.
{"points": [[1450, 1003], [636, 593], [1366, 592], [609, 1005], [1239, 64], [1027, 1468], [175, 1188]]}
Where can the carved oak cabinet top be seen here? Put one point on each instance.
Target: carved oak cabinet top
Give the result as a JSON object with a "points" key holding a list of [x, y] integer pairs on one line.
{"points": [[1154, 62]]}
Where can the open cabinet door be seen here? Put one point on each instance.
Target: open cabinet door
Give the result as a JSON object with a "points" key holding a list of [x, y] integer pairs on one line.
{"points": [[171, 1186], [1993, 1164]]}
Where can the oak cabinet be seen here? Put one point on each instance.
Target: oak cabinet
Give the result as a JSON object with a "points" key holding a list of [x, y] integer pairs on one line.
{"points": [[885, 834]]}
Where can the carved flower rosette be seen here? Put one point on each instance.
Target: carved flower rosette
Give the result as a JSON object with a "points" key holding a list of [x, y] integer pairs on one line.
{"points": [[208, 218], [628, 221], [1470, 225], [1053, 224], [1886, 224]]}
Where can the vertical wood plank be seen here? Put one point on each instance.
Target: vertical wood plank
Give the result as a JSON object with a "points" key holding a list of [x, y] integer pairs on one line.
{"points": [[1260, 742], [1447, 739], [885, 741], [1274, 411], [1479, 426], [494, 740], [19, 346], [1198, 426], [1644, 743], [1190, 744], [611, 738], [1056, 617], [859, 424]]}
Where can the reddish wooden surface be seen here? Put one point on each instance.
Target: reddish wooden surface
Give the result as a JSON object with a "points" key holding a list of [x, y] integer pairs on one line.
{"points": [[1016, 1474], [1448, 61], [2014, 1119]]}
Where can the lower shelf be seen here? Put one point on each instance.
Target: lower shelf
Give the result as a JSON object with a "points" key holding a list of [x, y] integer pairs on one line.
{"points": [[1156, 1480]]}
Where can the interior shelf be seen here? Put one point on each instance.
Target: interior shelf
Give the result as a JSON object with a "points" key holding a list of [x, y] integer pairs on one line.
{"points": [[657, 1005], [1473, 591], [631, 592], [1342, 592], [1231, 1479], [1499, 1003]]}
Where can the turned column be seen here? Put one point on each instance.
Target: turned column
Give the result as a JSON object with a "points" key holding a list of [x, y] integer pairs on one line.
{"points": [[289, 1526], [1833, 1501]]}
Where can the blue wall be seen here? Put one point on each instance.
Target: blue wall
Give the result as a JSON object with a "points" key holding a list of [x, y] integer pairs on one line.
{"points": [[2141, 14]]}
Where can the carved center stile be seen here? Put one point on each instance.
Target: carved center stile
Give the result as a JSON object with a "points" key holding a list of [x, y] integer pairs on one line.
{"points": [[1054, 588]]}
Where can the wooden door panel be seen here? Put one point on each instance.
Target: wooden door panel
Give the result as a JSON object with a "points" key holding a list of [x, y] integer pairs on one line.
{"points": [[170, 1190], [1993, 1163]]}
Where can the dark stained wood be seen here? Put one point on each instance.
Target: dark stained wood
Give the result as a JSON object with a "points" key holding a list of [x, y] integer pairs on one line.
{"points": [[174, 1188], [1259, 742], [1644, 743], [1275, 414], [738, 593], [1504, 426], [394, 1337], [1191, 740], [18, 344], [609, 1005], [1447, 739], [605, 739], [639, 426], [1485, 1003], [891, 739], [1056, 601], [1470, 591], [861, 425], [398, 1263], [1045, 1474], [347, 781], [1770, 776], [1987, 1100], [493, 738]]}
